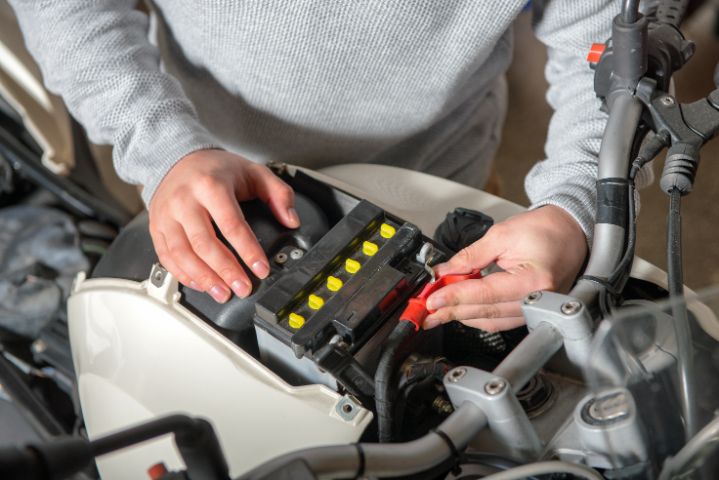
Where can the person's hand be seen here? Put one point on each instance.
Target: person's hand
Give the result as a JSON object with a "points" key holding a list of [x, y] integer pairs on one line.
{"points": [[207, 185], [542, 249]]}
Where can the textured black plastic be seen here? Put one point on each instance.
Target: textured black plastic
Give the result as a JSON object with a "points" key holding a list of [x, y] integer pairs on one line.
{"points": [[132, 255]]}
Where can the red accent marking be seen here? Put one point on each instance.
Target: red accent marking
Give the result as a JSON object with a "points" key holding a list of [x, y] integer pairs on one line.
{"points": [[595, 52], [416, 310], [157, 471]]}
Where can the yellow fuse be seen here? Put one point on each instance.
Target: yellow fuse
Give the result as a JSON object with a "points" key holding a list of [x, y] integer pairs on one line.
{"points": [[352, 266], [334, 283], [369, 248], [315, 302], [386, 230], [296, 320]]}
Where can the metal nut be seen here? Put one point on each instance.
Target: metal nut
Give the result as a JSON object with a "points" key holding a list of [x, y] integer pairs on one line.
{"points": [[347, 408], [532, 298], [495, 386], [281, 258], [456, 374], [667, 101], [571, 307], [157, 275], [296, 253]]}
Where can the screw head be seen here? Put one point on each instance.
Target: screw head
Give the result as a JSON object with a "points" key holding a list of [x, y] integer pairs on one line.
{"points": [[296, 253], [457, 373], [38, 346], [533, 297], [281, 258], [495, 386], [571, 307], [667, 101]]}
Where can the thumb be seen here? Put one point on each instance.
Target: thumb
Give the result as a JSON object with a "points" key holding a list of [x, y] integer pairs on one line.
{"points": [[473, 257], [278, 195]]}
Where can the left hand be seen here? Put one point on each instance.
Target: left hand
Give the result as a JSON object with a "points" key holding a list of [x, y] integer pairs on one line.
{"points": [[542, 249]]}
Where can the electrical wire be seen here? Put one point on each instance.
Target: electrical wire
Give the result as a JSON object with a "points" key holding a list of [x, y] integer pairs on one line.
{"points": [[546, 468], [685, 362], [630, 11]]}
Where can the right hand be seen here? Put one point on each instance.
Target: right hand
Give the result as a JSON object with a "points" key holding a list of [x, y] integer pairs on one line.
{"points": [[208, 185]]}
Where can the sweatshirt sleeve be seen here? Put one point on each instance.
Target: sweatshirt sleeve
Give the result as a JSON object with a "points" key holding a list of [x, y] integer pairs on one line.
{"points": [[96, 54], [567, 178]]}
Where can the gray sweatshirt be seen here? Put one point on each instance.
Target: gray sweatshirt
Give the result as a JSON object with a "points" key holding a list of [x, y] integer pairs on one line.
{"points": [[413, 83]]}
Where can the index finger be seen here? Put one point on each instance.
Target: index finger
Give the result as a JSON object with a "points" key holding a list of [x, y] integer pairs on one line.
{"points": [[225, 210]]}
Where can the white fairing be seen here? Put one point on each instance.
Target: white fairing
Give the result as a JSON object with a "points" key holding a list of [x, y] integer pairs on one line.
{"points": [[139, 355]]}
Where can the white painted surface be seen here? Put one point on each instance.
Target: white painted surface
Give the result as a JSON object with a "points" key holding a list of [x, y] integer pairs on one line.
{"points": [[138, 357]]}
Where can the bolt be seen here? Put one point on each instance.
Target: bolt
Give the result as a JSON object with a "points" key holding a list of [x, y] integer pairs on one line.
{"points": [[571, 307], [157, 275], [296, 253], [667, 101], [610, 408], [347, 408], [38, 346], [441, 405], [281, 258], [532, 298], [456, 374], [495, 386]]}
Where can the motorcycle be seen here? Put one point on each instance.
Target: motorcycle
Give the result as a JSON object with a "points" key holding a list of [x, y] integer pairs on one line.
{"points": [[325, 372]]}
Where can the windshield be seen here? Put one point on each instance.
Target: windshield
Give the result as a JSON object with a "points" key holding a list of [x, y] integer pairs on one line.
{"points": [[636, 395]]}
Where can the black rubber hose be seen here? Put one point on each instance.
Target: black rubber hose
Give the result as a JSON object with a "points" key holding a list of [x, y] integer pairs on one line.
{"points": [[685, 362], [386, 377], [194, 437]]}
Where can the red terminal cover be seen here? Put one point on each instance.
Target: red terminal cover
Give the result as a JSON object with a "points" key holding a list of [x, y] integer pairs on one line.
{"points": [[416, 310]]}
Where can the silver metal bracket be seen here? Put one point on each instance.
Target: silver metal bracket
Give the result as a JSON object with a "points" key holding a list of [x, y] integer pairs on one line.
{"points": [[162, 285], [493, 395], [605, 432], [567, 315]]}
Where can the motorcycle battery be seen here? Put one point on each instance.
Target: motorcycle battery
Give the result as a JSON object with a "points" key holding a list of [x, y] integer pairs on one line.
{"points": [[318, 316]]}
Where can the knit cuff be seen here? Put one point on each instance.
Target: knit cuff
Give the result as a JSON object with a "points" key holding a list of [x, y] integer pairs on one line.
{"points": [[183, 139]]}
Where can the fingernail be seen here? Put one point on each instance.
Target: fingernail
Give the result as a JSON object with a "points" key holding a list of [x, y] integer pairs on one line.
{"points": [[292, 217], [435, 303], [260, 268], [194, 285], [240, 288], [219, 294]]}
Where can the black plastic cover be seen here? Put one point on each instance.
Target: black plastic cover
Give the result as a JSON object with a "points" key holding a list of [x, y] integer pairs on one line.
{"points": [[132, 255]]}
